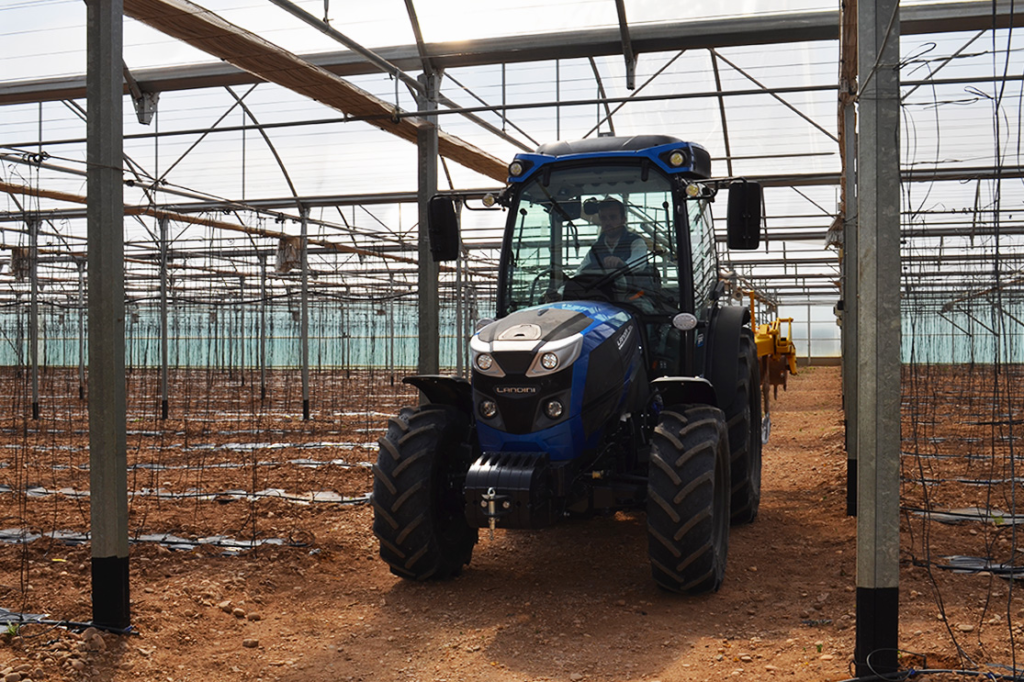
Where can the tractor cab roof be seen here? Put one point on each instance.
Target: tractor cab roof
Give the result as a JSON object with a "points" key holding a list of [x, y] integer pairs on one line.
{"points": [[672, 155]]}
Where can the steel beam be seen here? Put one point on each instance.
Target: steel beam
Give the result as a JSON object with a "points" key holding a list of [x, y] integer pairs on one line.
{"points": [[428, 359]]}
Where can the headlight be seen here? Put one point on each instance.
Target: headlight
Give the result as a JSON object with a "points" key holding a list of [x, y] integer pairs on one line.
{"points": [[553, 409], [555, 356], [483, 360], [488, 409]]}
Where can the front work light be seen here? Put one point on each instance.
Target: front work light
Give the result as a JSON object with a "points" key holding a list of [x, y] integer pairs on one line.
{"points": [[515, 169]]}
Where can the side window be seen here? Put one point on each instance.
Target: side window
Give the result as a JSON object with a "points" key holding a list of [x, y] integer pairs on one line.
{"points": [[705, 258]]}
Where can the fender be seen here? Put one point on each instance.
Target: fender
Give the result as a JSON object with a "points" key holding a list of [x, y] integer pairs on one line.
{"points": [[685, 391], [724, 347], [444, 390]]}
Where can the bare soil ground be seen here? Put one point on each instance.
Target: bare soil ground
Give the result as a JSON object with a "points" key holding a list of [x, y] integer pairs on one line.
{"points": [[573, 602]]}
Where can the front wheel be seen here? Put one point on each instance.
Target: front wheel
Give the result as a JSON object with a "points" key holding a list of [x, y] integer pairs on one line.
{"points": [[418, 504], [688, 492]]}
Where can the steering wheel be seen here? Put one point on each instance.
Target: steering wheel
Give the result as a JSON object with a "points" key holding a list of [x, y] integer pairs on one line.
{"points": [[590, 285], [555, 272]]}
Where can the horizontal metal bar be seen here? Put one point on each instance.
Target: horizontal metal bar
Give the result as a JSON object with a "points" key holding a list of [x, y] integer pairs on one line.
{"points": [[646, 38]]}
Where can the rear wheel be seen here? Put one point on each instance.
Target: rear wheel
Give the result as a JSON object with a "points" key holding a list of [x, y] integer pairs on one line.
{"points": [[418, 504], [744, 420], [688, 499]]}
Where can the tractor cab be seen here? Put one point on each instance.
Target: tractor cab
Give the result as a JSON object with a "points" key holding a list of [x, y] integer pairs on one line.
{"points": [[625, 221]]}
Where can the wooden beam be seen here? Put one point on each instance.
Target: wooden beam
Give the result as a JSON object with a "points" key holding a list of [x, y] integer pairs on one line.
{"points": [[197, 220], [212, 34]]}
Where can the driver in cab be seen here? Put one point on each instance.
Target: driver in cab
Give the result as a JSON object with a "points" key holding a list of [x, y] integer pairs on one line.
{"points": [[616, 247]]}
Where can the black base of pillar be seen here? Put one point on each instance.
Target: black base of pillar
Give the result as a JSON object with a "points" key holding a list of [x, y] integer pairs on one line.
{"points": [[878, 611], [81, 392], [111, 607], [35, 410], [851, 487], [164, 409], [305, 410], [263, 392]]}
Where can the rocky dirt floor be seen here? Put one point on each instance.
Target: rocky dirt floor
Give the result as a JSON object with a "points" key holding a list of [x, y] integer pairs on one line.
{"points": [[574, 602]]}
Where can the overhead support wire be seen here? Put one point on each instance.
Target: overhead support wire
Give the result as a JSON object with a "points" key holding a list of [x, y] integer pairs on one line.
{"points": [[945, 62], [631, 98], [769, 91], [270, 145]]}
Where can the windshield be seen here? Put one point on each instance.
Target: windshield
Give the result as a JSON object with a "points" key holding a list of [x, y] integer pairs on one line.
{"points": [[598, 233]]}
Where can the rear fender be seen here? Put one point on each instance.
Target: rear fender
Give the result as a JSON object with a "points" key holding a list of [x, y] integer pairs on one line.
{"points": [[444, 390], [724, 349], [685, 391]]}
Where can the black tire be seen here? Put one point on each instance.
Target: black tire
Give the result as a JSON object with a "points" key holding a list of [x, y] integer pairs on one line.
{"points": [[418, 503], [688, 499], [744, 420]]}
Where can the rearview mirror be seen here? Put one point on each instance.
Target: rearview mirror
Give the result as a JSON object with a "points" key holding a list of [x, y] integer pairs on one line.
{"points": [[744, 220], [442, 228]]}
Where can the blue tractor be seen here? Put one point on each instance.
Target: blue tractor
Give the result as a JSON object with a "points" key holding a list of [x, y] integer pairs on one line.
{"points": [[610, 380]]}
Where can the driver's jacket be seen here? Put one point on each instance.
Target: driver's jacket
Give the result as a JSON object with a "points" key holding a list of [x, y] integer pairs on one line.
{"points": [[631, 250]]}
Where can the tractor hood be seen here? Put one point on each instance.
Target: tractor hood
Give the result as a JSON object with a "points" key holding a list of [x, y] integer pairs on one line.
{"points": [[554, 327], [552, 378]]}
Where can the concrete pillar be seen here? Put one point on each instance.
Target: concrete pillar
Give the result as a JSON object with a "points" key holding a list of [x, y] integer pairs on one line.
{"points": [[878, 339], [108, 470]]}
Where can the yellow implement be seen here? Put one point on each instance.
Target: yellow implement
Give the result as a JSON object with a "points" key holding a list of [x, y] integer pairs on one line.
{"points": [[775, 350]]}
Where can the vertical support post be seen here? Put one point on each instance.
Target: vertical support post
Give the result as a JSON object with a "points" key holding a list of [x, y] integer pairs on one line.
{"points": [[458, 316], [848, 259], [391, 332], [849, 328], [263, 327], [304, 315], [81, 327], [108, 470], [243, 337], [429, 308], [878, 339], [33, 310], [164, 389], [808, 334]]}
